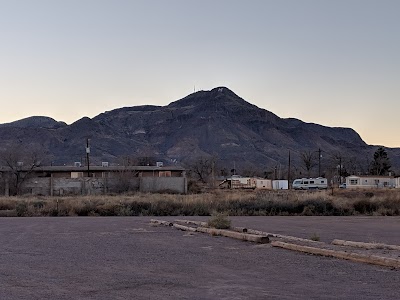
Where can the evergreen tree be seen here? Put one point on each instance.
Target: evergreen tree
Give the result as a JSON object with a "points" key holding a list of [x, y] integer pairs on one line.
{"points": [[381, 163]]}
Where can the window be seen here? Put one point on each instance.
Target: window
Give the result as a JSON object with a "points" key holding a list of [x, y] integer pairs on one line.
{"points": [[353, 181], [305, 182], [311, 182], [76, 174], [164, 174]]}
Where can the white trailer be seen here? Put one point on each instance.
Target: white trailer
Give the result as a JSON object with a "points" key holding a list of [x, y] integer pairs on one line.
{"points": [[280, 184], [310, 184]]}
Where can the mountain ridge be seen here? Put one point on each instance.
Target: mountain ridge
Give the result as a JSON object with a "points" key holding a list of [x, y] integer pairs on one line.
{"points": [[216, 122]]}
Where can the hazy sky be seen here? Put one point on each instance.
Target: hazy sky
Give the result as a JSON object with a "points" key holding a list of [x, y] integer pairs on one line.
{"points": [[335, 63]]}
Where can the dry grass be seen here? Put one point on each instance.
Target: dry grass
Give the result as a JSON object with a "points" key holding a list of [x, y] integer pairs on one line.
{"points": [[239, 203]]}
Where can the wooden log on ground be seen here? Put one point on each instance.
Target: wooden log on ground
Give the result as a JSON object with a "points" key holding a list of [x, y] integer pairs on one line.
{"points": [[365, 245], [184, 228], [284, 237], [236, 235], [205, 224], [370, 259], [161, 222], [240, 229], [198, 223], [258, 232]]}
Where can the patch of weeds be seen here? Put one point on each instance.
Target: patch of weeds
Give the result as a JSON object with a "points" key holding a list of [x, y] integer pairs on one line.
{"points": [[315, 237], [219, 221]]}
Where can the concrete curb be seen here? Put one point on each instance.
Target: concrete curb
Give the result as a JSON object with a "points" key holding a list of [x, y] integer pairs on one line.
{"points": [[221, 232], [160, 222], [184, 228], [198, 223], [284, 237], [365, 245], [236, 235], [369, 259]]}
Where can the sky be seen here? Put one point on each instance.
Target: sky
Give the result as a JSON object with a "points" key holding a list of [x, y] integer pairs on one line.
{"points": [[335, 63]]}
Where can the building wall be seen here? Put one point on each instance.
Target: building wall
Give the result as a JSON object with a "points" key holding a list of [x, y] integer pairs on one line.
{"points": [[264, 184], [397, 182], [280, 184], [53, 186], [160, 184]]}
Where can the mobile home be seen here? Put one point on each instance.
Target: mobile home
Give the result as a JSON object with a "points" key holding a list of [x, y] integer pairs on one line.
{"points": [[372, 181]]}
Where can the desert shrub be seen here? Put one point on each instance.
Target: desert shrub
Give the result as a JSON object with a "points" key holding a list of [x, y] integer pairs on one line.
{"points": [[318, 207], [21, 209], [315, 237], [108, 209], [194, 187], [369, 194], [365, 206], [197, 208], [38, 204], [6, 204], [219, 221], [86, 208]]}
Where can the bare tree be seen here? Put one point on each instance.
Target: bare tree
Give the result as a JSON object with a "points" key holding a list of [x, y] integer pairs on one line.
{"points": [[125, 181], [19, 163], [338, 163], [202, 167], [309, 161]]}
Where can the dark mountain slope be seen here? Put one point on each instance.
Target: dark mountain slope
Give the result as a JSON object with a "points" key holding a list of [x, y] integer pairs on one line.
{"points": [[216, 122]]}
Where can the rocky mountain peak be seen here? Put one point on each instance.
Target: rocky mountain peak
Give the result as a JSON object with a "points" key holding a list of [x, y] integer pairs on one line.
{"points": [[35, 122]]}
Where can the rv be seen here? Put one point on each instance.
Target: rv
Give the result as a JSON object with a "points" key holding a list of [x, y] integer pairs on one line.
{"points": [[310, 184]]}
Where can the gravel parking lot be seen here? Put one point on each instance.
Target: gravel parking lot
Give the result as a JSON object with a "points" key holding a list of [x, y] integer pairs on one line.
{"points": [[127, 258]]}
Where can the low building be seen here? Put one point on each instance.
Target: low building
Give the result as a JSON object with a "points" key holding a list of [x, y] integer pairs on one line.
{"points": [[397, 182], [280, 184], [371, 181], [265, 184], [238, 182], [76, 180]]}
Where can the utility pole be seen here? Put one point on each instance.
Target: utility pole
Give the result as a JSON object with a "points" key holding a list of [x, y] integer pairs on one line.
{"points": [[288, 176], [87, 157], [319, 162], [340, 169]]}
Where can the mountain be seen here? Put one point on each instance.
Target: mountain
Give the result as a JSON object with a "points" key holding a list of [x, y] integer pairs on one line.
{"points": [[216, 122], [35, 122]]}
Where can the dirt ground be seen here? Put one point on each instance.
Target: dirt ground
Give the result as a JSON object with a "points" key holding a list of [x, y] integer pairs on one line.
{"points": [[127, 258]]}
